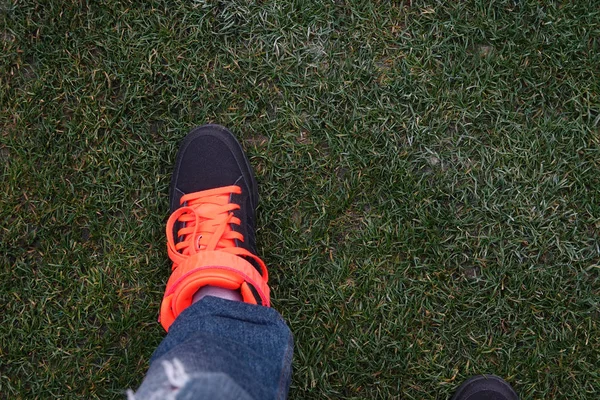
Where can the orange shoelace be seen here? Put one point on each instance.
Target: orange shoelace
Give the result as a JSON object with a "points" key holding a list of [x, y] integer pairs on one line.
{"points": [[207, 219], [206, 253]]}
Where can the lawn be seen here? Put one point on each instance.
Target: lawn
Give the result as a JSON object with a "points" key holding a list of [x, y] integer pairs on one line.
{"points": [[429, 176]]}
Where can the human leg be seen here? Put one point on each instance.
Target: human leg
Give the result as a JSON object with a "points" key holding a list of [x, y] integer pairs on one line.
{"points": [[234, 349]]}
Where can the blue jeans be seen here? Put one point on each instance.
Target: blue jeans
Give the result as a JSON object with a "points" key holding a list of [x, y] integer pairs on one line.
{"points": [[221, 349]]}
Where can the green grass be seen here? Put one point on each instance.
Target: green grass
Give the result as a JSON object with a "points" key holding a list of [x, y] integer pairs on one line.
{"points": [[429, 176]]}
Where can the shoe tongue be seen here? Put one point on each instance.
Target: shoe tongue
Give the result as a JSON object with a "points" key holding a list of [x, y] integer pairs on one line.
{"points": [[208, 225]]}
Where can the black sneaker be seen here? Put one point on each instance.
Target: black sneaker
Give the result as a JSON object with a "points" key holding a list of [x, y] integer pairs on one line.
{"points": [[485, 387], [211, 231], [210, 157]]}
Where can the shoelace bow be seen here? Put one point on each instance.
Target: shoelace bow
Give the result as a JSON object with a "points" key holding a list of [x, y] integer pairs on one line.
{"points": [[206, 219]]}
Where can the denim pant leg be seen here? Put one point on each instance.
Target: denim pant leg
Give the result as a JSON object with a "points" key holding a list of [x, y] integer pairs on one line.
{"points": [[221, 349]]}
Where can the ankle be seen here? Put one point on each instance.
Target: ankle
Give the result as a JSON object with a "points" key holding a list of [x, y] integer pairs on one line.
{"points": [[215, 291]]}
